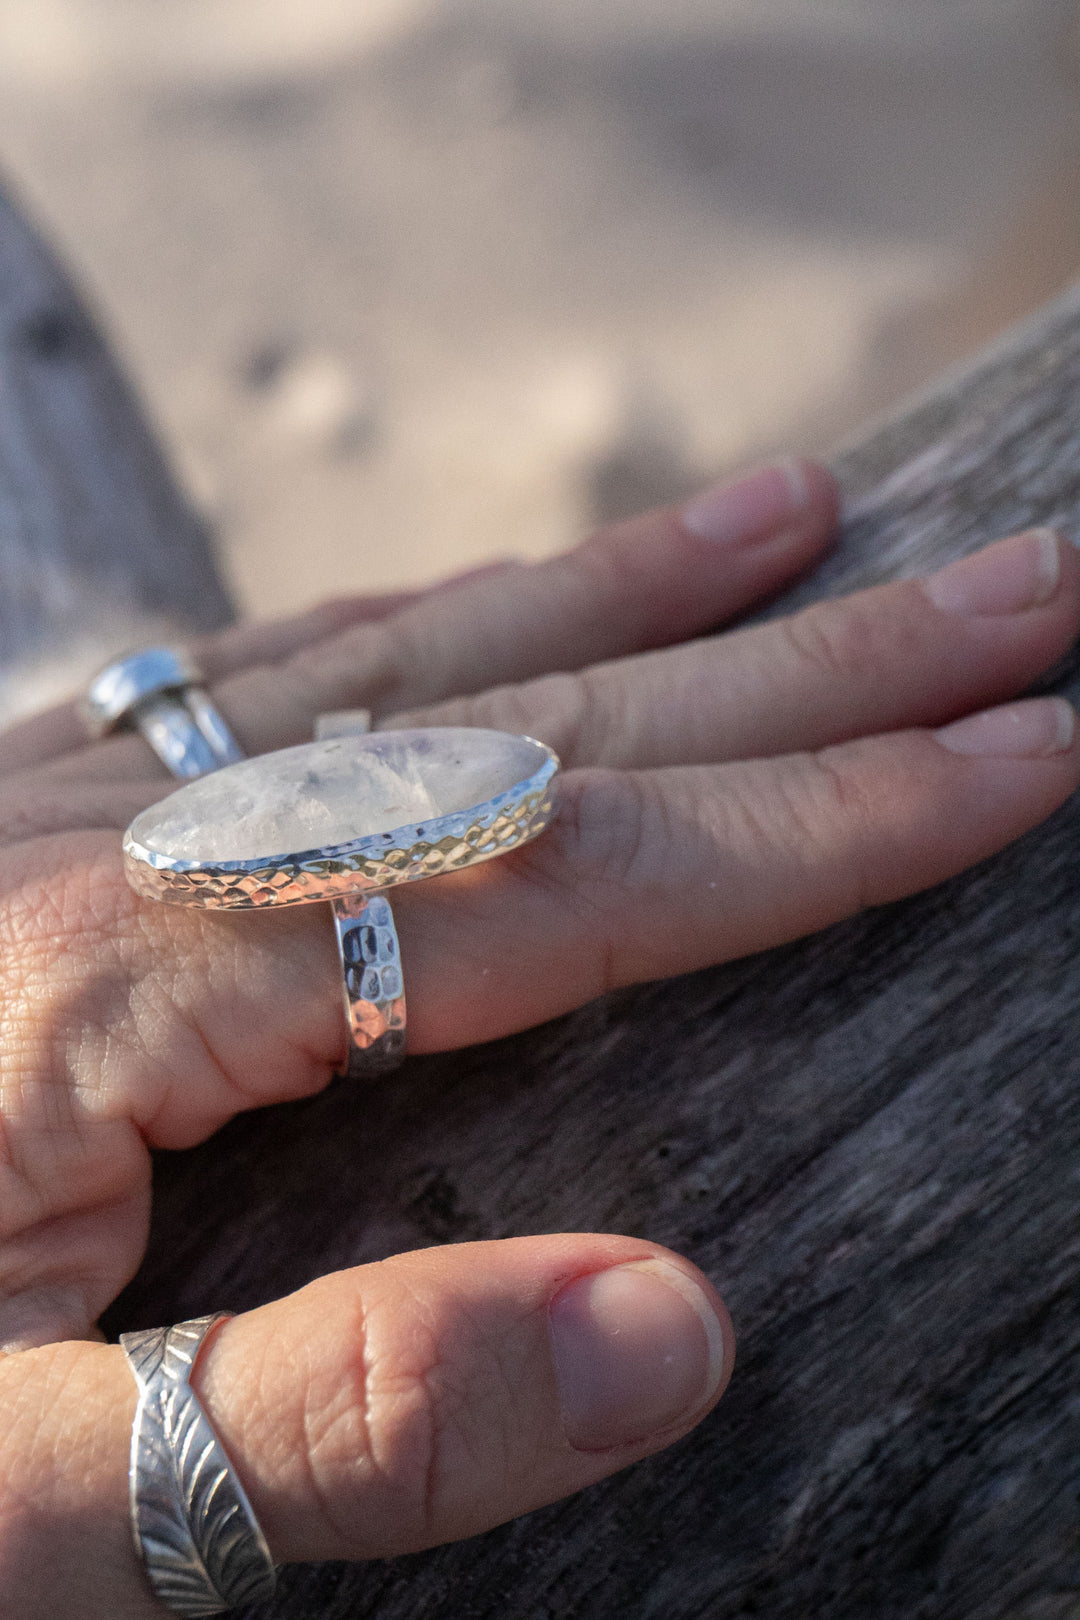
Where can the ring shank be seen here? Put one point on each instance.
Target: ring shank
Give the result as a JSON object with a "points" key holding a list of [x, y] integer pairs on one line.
{"points": [[372, 984], [186, 732], [159, 692]]}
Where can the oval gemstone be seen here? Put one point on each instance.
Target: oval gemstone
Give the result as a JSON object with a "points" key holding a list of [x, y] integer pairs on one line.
{"points": [[326, 793]]}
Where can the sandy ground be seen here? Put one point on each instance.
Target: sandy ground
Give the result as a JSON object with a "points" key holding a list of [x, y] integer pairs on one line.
{"points": [[409, 284]]}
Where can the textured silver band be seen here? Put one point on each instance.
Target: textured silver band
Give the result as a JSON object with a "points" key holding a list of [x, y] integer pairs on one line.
{"points": [[370, 956], [159, 691], [373, 984], [193, 1525]]}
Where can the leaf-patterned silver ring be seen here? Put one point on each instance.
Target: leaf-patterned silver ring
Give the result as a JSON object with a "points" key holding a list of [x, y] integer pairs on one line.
{"points": [[194, 1527]]}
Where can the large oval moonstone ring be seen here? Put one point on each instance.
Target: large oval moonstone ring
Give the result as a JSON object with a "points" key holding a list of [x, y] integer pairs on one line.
{"points": [[342, 819]]}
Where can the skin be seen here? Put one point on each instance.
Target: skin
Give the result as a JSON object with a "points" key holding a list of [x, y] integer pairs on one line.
{"points": [[796, 769]]}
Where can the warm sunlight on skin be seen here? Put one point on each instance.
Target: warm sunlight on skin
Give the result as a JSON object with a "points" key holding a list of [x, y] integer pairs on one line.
{"points": [[803, 768]]}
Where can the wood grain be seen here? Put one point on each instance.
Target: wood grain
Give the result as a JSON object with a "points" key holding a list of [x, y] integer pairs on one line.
{"points": [[870, 1140]]}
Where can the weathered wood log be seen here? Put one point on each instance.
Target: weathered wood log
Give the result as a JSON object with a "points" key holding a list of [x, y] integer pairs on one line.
{"points": [[98, 550], [868, 1139]]}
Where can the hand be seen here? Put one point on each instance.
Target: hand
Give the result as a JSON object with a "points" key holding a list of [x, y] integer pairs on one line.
{"points": [[735, 790]]}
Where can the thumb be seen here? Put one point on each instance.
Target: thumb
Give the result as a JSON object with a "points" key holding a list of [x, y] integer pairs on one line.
{"points": [[376, 1411], [439, 1393]]}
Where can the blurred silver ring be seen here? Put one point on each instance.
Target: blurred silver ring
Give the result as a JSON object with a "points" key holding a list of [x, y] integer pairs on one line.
{"points": [[160, 693], [194, 1528]]}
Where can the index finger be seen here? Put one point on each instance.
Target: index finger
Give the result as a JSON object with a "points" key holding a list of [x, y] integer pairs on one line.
{"points": [[61, 729], [652, 581]]}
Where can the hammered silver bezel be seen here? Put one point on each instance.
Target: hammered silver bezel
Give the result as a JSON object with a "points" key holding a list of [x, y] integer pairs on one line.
{"points": [[383, 860]]}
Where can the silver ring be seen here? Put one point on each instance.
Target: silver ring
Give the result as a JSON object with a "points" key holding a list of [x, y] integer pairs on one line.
{"points": [[160, 692], [194, 1527], [368, 950], [374, 987], [196, 848], [157, 690]]}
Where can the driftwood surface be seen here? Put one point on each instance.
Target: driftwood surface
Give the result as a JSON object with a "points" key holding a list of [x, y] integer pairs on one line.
{"points": [[99, 552], [869, 1140]]}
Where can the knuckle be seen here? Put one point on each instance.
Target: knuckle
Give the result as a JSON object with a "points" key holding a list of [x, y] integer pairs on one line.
{"points": [[381, 1419], [562, 710], [835, 819], [620, 570], [65, 975], [844, 642], [369, 663], [603, 561], [842, 793], [608, 714], [603, 830], [553, 708], [601, 857], [556, 709], [613, 846], [69, 939], [427, 1418]]}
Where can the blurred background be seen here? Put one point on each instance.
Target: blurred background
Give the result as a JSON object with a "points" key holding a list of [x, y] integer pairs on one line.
{"points": [[408, 284]]}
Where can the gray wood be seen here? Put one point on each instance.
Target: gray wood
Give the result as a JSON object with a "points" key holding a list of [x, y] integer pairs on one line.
{"points": [[98, 550], [868, 1139]]}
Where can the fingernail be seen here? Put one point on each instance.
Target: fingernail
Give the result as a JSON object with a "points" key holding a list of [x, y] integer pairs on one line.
{"points": [[1006, 577], [636, 1349], [1032, 730], [746, 513]]}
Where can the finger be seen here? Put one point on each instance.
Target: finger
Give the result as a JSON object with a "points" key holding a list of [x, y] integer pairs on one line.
{"points": [[656, 579], [61, 729], [377, 1411], [271, 641], [648, 874], [32, 807], [641, 584], [133, 1024], [913, 653]]}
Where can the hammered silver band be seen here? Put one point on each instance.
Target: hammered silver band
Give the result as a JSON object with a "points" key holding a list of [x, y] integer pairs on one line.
{"points": [[160, 692], [369, 953], [194, 1527], [372, 981]]}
